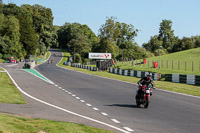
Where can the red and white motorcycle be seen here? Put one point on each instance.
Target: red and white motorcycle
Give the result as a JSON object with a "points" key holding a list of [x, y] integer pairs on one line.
{"points": [[144, 97]]}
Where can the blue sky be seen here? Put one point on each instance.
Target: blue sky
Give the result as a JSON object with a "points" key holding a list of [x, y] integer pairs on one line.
{"points": [[145, 15]]}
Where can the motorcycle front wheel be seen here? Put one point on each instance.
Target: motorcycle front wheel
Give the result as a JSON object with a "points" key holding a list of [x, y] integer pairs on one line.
{"points": [[146, 104]]}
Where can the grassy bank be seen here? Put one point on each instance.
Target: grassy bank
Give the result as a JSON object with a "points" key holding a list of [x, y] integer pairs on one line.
{"points": [[184, 62], [176, 87], [41, 60], [14, 124], [9, 93]]}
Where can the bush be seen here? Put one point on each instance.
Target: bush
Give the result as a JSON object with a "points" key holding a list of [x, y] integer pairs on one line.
{"points": [[77, 58], [1, 56], [160, 52]]}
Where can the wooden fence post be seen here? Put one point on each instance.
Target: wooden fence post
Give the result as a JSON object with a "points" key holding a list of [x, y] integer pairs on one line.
{"points": [[185, 66], [192, 66], [167, 64]]}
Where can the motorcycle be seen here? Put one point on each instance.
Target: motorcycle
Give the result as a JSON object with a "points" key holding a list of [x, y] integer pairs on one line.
{"points": [[144, 97]]}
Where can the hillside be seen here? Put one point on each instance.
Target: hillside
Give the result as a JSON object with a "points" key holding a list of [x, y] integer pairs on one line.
{"points": [[184, 62]]}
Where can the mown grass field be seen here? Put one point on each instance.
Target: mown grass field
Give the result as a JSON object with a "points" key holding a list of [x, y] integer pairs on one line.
{"points": [[185, 62], [16, 124], [175, 87]]}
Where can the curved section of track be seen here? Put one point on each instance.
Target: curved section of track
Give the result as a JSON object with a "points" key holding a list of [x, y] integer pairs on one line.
{"points": [[167, 113]]}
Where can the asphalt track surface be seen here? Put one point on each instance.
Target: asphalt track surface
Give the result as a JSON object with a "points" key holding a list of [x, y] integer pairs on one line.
{"points": [[167, 112]]}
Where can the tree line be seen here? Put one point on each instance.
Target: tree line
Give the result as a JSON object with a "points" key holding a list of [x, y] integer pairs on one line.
{"points": [[114, 37], [166, 42], [26, 30], [29, 30], [119, 39]]}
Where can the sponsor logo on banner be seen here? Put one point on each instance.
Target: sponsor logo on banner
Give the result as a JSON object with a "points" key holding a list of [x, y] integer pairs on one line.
{"points": [[100, 55]]}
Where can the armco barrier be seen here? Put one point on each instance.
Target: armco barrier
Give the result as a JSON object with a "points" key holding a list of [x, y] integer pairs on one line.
{"points": [[133, 73]]}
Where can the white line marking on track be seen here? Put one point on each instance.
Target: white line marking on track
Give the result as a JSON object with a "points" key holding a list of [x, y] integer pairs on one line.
{"points": [[88, 104], [77, 97], [82, 101], [128, 129], [69, 93], [73, 95], [60, 87], [116, 121], [65, 110], [95, 108], [104, 114], [56, 85]]}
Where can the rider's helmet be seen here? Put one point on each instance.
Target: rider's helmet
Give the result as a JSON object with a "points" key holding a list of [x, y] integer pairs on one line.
{"points": [[149, 75]]}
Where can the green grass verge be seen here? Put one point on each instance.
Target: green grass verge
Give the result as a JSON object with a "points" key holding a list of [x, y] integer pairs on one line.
{"points": [[44, 59], [14, 124], [1, 69], [179, 63], [175, 87], [9, 92], [1, 60]]}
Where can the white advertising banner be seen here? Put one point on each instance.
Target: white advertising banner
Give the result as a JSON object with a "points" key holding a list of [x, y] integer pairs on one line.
{"points": [[100, 55]]}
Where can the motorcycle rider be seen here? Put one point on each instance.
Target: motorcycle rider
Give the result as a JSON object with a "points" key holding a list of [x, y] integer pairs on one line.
{"points": [[145, 81]]}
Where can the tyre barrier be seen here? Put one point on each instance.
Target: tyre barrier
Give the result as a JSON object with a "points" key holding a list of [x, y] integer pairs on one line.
{"points": [[78, 65], [132, 73], [177, 78]]}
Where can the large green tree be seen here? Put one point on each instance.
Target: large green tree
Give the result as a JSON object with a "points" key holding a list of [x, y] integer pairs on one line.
{"points": [[166, 35], [69, 31], [76, 38], [43, 24], [116, 37], [29, 38], [10, 36]]}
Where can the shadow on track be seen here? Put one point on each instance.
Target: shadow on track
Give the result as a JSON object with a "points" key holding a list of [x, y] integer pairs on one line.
{"points": [[124, 105]]}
